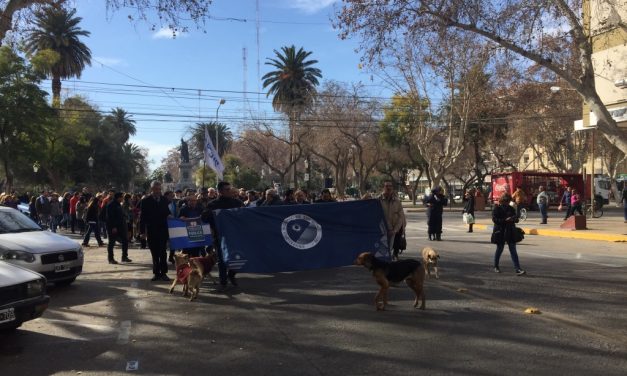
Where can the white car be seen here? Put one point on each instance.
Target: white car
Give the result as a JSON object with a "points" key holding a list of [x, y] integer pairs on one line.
{"points": [[24, 243], [22, 296]]}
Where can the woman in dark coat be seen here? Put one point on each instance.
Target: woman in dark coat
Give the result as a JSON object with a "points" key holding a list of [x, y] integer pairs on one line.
{"points": [[505, 219], [469, 207], [91, 219], [435, 203]]}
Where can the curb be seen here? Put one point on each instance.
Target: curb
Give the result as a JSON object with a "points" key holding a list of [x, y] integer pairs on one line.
{"points": [[565, 233]]}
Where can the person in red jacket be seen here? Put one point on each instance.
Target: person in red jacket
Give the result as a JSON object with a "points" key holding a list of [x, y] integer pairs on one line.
{"points": [[73, 201]]}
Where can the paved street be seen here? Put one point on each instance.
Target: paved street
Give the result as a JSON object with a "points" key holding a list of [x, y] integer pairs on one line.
{"points": [[323, 322]]}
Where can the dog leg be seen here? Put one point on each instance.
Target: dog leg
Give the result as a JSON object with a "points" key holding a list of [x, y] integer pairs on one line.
{"points": [[416, 283], [426, 267], [174, 283], [437, 276]]}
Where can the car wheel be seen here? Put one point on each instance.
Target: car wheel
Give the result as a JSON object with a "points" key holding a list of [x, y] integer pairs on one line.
{"points": [[65, 282], [10, 329]]}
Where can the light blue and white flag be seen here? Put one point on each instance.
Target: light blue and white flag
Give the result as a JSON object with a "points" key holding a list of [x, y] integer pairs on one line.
{"points": [[188, 233], [212, 159]]}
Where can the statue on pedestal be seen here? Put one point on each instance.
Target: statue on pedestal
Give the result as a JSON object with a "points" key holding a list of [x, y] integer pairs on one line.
{"points": [[184, 152]]}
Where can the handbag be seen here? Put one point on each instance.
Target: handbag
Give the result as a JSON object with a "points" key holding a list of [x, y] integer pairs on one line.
{"points": [[400, 242], [468, 219], [519, 234], [496, 237]]}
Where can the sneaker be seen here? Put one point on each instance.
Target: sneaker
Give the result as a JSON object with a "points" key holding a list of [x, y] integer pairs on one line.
{"points": [[164, 277], [126, 259], [85, 244], [496, 269], [520, 272], [155, 278], [113, 262]]}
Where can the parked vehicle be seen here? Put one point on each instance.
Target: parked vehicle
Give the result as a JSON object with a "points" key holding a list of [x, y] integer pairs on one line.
{"points": [[24, 243], [24, 208], [530, 181], [22, 296]]}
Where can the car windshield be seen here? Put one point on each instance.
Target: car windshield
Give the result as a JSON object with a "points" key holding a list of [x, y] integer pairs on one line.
{"points": [[12, 221]]}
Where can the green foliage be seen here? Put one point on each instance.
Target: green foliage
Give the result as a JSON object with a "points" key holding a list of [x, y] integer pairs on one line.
{"points": [[294, 81], [121, 124], [57, 29], [197, 141], [402, 118], [23, 114], [239, 175]]}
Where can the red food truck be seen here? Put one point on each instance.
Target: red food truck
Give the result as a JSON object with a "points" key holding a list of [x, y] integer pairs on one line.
{"points": [[554, 183]]}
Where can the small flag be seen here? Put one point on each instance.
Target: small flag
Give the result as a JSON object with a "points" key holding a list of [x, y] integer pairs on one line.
{"points": [[212, 159], [188, 233]]}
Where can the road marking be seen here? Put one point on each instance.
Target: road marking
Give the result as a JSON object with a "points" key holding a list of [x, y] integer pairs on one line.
{"points": [[132, 365], [125, 332], [577, 257]]}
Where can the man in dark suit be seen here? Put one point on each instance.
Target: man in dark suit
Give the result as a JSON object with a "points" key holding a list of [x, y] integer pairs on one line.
{"points": [[225, 200], [116, 227], [153, 225]]}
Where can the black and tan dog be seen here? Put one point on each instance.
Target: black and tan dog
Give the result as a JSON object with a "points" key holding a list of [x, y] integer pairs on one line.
{"points": [[385, 273]]}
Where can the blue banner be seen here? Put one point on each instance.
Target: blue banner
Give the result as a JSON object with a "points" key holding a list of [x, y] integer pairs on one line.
{"points": [[301, 237], [188, 233]]}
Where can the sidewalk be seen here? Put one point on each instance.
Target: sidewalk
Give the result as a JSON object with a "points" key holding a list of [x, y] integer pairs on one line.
{"points": [[610, 227]]}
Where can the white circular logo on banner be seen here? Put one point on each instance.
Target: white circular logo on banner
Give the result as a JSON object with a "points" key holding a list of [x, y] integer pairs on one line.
{"points": [[301, 231]]}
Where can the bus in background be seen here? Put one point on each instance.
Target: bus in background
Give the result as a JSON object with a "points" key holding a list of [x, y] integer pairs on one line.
{"points": [[529, 181]]}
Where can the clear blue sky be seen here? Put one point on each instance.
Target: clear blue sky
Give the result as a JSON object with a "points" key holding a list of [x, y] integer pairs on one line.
{"points": [[209, 59]]}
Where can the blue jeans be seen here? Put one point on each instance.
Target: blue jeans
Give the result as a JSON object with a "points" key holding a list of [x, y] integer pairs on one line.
{"points": [[54, 222], [543, 212], [512, 251]]}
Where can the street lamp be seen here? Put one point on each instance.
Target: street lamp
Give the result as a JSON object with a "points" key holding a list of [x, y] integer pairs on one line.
{"points": [[222, 101], [90, 163], [36, 166]]}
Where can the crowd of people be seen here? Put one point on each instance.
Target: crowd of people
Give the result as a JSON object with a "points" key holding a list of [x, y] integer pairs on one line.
{"points": [[142, 218]]}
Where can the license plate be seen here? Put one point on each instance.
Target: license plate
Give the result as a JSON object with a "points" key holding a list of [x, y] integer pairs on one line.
{"points": [[7, 315], [61, 268]]}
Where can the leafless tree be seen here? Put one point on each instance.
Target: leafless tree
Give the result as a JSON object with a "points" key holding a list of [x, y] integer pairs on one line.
{"points": [[539, 31]]}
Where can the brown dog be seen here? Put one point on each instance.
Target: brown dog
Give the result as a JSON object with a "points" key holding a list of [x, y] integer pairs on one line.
{"points": [[204, 265], [183, 269], [430, 259], [190, 272], [394, 272]]}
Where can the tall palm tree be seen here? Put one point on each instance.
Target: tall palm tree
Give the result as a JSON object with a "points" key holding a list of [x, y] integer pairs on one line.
{"points": [[225, 138], [58, 30], [121, 121], [293, 85]]}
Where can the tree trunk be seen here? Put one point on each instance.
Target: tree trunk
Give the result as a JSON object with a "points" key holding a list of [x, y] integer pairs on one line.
{"points": [[8, 175], [56, 91]]}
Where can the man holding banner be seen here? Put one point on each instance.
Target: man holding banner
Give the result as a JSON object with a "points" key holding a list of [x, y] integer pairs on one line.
{"points": [[189, 212], [153, 225], [224, 201]]}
